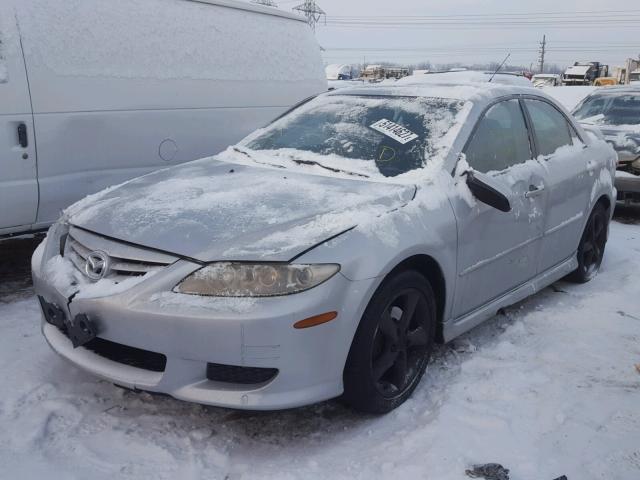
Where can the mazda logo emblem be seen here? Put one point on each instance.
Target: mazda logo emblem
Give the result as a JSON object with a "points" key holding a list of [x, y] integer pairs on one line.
{"points": [[97, 265]]}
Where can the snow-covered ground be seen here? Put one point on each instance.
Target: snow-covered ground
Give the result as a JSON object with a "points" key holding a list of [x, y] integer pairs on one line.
{"points": [[548, 388]]}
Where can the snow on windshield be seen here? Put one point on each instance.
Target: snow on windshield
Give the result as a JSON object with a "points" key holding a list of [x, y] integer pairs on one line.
{"points": [[358, 135]]}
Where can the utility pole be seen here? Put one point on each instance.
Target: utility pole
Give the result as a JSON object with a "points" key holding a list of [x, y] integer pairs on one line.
{"points": [[542, 51], [312, 11], [266, 3]]}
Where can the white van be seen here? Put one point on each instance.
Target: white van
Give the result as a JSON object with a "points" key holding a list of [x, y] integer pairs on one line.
{"points": [[95, 92]]}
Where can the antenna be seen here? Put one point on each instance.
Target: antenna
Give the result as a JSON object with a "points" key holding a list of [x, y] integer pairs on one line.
{"points": [[500, 67], [312, 11]]}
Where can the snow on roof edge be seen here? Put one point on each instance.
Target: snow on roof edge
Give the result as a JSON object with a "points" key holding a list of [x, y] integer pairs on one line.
{"points": [[251, 7]]}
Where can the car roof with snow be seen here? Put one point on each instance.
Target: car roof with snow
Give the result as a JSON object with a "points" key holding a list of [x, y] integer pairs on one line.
{"points": [[467, 76], [454, 88]]}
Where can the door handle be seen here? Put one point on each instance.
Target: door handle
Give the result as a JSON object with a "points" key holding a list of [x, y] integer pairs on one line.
{"points": [[534, 191], [23, 140]]}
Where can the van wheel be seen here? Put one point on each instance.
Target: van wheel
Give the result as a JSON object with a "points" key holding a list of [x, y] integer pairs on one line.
{"points": [[392, 345], [592, 245]]}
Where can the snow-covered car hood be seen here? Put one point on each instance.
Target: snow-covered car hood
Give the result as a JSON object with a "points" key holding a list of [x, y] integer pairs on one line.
{"points": [[213, 210], [625, 139]]}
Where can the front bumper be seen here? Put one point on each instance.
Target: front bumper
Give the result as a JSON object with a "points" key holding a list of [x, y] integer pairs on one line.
{"points": [[628, 186], [195, 332]]}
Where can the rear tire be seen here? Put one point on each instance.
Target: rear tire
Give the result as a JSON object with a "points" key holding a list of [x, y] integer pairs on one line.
{"points": [[392, 345], [592, 246]]}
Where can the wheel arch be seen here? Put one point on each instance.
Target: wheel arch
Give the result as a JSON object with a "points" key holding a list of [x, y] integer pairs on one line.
{"points": [[605, 201], [432, 271]]}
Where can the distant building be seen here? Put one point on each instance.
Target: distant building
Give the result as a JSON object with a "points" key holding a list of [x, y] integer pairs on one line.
{"points": [[380, 72]]}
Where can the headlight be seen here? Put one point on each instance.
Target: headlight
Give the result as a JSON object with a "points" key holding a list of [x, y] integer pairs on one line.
{"points": [[255, 280]]}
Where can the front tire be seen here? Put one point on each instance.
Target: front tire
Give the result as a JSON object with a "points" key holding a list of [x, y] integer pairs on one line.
{"points": [[392, 345], [592, 246]]}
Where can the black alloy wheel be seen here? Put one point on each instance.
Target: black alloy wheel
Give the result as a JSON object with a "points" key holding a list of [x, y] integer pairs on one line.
{"points": [[392, 345], [592, 246], [400, 342]]}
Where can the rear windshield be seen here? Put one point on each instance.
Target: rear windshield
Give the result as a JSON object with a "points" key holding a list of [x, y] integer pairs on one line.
{"points": [[608, 109], [385, 135]]}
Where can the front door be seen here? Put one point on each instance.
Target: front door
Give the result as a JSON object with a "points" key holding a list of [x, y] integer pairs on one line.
{"points": [[18, 176], [499, 251]]}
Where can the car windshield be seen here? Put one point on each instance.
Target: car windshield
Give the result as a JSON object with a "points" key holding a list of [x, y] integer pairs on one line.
{"points": [[370, 135], [610, 109]]}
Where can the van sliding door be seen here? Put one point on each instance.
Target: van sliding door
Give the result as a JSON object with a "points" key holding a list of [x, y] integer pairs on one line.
{"points": [[18, 174]]}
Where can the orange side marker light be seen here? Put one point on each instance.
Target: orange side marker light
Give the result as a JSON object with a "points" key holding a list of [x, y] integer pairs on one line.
{"points": [[316, 320]]}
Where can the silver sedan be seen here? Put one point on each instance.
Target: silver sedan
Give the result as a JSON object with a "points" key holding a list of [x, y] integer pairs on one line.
{"points": [[616, 112], [325, 254]]}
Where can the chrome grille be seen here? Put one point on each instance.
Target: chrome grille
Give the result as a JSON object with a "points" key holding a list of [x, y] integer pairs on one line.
{"points": [[125, 260]]}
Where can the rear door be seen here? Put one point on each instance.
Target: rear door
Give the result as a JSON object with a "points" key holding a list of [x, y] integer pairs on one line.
{"points": [[570, 177], [18, 176], [498, 251]]}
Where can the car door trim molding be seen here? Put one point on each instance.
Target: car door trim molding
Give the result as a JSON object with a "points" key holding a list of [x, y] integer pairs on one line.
{"points": [[486, 261], [566, 223], [478, 315]]}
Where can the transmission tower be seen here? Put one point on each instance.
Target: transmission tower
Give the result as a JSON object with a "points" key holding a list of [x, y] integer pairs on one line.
{"points": [[312, 11], [267, 3], [542, 51]]}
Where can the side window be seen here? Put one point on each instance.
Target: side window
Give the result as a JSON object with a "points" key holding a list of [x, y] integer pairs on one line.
{"points": [[500, 140], [551, 128]]}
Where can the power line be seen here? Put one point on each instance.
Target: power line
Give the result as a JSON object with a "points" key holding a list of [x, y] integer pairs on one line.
{"points": [[581, 19]]}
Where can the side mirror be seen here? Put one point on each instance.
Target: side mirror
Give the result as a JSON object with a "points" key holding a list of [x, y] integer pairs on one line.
{"points": [[486, 193]]}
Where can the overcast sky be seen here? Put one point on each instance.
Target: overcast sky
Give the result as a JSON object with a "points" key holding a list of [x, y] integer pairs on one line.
{"points": [[577, 34]]}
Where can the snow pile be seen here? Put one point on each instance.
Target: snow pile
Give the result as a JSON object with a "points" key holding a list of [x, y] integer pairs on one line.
{"points": [[336, 84], [569, 97], [166, 39], [547, 389]]}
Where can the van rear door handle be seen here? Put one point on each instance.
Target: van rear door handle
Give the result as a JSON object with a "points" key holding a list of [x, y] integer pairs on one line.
{"points": [[534, 191], [22, 136]]}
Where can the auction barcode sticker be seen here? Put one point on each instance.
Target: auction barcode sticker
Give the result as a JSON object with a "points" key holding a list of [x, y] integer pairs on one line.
{"points": [[395, 131]]}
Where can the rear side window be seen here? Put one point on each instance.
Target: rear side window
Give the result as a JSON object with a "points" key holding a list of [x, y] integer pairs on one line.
{"points": [[500, 140], [551, 128]]}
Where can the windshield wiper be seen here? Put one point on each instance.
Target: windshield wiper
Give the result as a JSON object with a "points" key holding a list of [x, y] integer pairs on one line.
{"points": [[235, 149], [335, 170], [300, 162]]}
